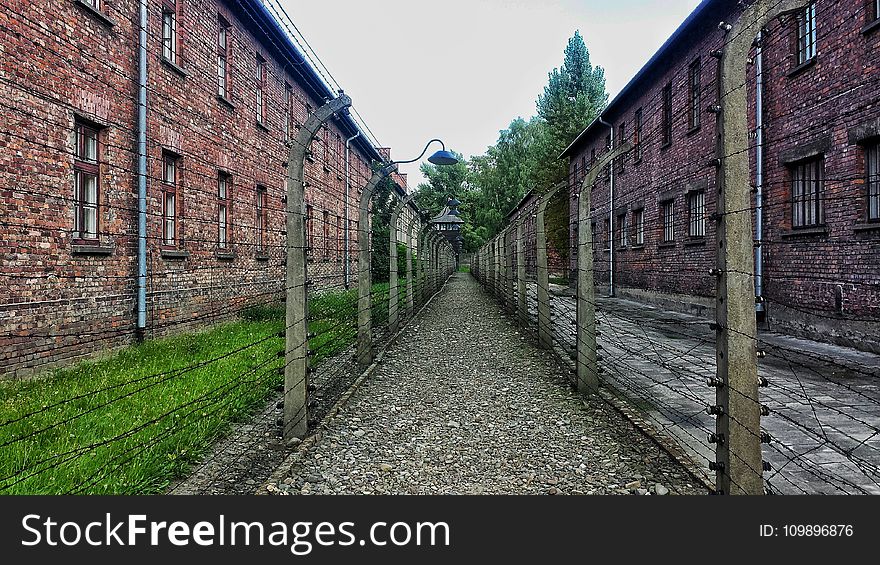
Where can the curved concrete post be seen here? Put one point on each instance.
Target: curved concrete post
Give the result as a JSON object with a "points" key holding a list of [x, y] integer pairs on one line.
{"points": [[393, 294], [365, 280], [545, 321], [509, 271], [587, 366], [423, 263], [296, 345], [739, 466]]}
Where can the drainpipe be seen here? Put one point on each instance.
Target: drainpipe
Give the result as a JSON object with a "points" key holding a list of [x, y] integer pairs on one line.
{"points": [[759, 179], [140, 330], [347, 238], [610, 215]]}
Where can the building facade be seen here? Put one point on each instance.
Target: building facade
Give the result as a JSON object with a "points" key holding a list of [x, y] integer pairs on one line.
{"points": [[817, 171], [226, 91]]}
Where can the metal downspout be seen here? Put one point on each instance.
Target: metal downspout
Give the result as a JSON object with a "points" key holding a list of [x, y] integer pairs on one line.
{"points": [[140, 330], [610, 214]]}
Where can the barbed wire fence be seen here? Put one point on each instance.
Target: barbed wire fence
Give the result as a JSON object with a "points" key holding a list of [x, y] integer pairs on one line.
{"points": [[760, 411], [283, 355]]}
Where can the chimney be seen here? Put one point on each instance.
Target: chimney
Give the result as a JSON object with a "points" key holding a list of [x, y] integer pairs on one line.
{"points": [[385, 152]]}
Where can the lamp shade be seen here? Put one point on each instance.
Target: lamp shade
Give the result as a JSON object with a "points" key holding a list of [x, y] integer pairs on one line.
{"points": [[443, 157]]}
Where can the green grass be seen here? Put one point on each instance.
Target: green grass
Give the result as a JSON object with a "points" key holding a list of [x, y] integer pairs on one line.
{"points": [[134, 421], [464, 268], [558, 280]]}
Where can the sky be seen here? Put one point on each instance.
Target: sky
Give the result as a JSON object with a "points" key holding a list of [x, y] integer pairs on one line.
{"points": [[462, 70]]}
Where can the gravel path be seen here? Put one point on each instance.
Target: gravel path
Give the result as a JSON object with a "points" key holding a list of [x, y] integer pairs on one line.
{"points": [[463, 404]]}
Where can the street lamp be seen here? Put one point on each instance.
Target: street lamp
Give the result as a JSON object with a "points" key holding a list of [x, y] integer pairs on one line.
{"points": [[364, 340]]}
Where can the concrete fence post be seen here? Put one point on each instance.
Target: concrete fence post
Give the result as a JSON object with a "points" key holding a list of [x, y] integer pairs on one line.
{"points": [[393, 291], [521, 289], [545, 322], [587, 365], [410, 295], [365, 279], [739, 466], [509, 272], [296, 343]]}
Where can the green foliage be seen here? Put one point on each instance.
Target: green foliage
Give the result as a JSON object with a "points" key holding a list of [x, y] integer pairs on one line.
{"points": [[526, 156]]}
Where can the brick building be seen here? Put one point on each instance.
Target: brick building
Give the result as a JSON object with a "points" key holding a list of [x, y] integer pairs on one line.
{"points": [[226, 89], [526, 210], [819, 269]]}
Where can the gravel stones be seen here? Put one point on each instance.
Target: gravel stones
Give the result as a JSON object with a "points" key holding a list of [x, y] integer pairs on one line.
{"points": [[462, 405]]}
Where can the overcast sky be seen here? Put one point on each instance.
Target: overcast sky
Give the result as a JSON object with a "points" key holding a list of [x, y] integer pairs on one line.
{"points": [[461, 70]]}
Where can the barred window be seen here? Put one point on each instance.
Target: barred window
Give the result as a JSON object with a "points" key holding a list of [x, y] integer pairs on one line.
{"points": [[224, 210], [696, 214], [694, 95], [637, 135], [667, 115], [621, 161], [86, 173], [170, 201], [607, 169], [872, 159], [288, 102], [261, 218], [169, 30], [326, 244], [808, 186], [606, 236], [639, 226], [806, 35], [667, 220], [224, 47], [261, 90], [623, 229]]}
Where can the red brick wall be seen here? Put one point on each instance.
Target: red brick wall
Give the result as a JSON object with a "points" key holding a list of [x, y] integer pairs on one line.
{"points": [[835, 99], [58, 305]]}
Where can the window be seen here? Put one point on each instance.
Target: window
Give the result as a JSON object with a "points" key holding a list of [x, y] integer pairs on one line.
{"points": [[623, 229], [806, 35], [696, 214], [170, 167], [808, 185], [261, 219], [872, 159], [621, 139], [224, 210], [96, 4], [606, 236], [667, 115], [607, 169], [339, 236], [326, 243], [86, 173], [288, 100], [694, 95], [637, 136], [310, 232], [583, 168], [639, 226], [224, 45], [169, 30], [667, 220], [261, 90]]}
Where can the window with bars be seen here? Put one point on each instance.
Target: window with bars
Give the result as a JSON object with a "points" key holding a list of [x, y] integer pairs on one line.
{"points": [[872, 160], [696, 214], [639, 226], [326, 244], [261, 90], [666, 128], [667, 220], [170, 200], [339, 236], [288, 110], [607, 170], [261, 218], [806, 34], [169, 30], [87, 174], [606, 235], [637, 136], [224, 210], [807, 191], [224, 48], [621, 139], [622, 229], [694, 95], [310, 230]]}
